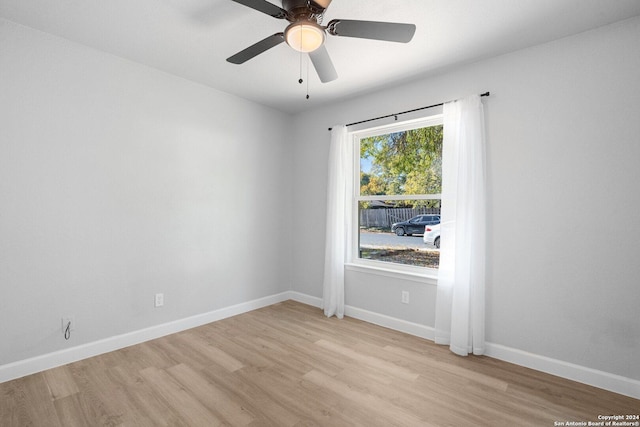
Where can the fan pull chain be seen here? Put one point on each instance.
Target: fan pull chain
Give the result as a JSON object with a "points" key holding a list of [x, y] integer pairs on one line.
{"points": [[307, 76], [300, 79]]}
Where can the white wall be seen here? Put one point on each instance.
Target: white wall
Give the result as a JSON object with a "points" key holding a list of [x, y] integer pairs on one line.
{"points": [[118, 181], [563, 174]]}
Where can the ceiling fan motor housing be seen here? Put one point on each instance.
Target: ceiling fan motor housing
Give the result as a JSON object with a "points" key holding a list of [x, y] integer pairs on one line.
{"points": [[302, 10]]}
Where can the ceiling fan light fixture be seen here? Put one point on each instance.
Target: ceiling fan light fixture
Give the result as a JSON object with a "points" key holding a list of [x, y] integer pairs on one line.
{"points": [[304, 36]]}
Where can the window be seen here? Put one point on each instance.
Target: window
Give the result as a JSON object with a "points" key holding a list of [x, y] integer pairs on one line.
{"points": [[397, 196]]}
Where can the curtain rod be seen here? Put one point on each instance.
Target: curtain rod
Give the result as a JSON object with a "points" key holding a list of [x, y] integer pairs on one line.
{"points": [[404, 112]]}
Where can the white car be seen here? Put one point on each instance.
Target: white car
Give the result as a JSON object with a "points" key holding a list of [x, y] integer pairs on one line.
{"points": [[432, 235]]}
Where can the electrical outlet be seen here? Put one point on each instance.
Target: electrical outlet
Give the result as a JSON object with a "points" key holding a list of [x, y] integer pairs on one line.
{"points": [[65, 322], [405, 297], [159, 302]]}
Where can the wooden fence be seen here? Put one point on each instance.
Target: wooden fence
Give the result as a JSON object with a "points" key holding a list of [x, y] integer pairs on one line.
{"points": [[384, 217]]}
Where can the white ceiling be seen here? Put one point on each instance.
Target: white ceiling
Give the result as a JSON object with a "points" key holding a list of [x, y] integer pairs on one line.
{"points": [[193, 38]]}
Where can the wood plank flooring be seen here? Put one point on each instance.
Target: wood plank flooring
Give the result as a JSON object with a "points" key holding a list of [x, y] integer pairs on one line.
{"points": [[288, 365]]}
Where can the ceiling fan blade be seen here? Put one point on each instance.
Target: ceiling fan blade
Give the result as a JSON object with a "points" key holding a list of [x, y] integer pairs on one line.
{"points": [[387, 31], [256, 49], [323, 65], [264, 7]]}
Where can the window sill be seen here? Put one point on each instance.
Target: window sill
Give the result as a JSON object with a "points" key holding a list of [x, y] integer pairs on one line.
{"points": [[428, 278]]}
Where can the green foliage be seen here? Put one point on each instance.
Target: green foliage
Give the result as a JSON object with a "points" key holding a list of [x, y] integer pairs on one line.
{"points": [[404, 163], [371, 184]]}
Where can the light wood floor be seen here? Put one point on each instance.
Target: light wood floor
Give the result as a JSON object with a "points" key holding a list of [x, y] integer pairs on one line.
{"points": [[288, 365]]}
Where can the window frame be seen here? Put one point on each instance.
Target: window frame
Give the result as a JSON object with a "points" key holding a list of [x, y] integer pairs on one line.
{"points": [[354, 262]]}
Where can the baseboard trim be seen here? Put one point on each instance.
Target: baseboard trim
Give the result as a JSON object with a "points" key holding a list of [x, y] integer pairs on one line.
{"points": [[394, 323], [604, 380], [305, 299], [36, 364], [372, 317]]}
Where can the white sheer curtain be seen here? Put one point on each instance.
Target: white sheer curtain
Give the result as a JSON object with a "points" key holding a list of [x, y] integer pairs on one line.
{"points": [[339, 200], [460, 303]]}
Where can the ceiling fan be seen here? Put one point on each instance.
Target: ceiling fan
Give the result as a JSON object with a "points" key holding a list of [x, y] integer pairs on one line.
{"points": [[306, 33]]}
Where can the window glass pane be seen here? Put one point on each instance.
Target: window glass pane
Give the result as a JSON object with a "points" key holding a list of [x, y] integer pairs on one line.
{"points": [[387, 234], [407, 164], [402, 163]]}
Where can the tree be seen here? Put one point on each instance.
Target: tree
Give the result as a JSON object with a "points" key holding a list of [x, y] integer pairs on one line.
{"points": [[371, 184], [408, 162]]}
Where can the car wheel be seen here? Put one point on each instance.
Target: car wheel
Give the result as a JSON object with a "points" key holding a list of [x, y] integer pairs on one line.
{"points": [[437, 242], [399, 231]]}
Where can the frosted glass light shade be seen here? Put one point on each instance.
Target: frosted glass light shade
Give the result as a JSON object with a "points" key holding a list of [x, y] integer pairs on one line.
{"points": [[305, 36]]}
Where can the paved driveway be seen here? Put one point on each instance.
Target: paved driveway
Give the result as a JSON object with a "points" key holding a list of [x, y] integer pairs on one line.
{"points": [[390, 240]]}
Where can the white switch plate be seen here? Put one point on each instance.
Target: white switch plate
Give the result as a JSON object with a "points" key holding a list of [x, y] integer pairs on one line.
{"points": [[159, 302]]}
